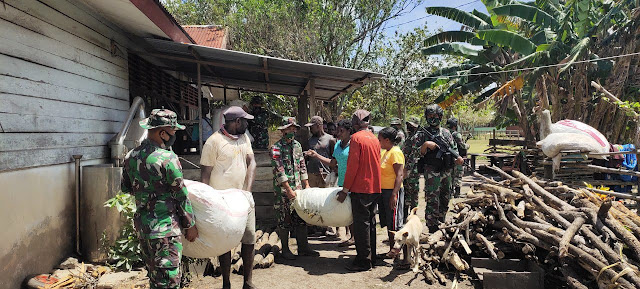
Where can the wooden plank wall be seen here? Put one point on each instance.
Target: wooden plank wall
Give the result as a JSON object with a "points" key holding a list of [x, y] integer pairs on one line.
{"points": [[62, 90], [263, 189]]}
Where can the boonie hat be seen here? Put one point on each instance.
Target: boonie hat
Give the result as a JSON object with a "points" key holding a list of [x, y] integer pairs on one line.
{"points": [[234, 112], [315, 120], [395, 120], [161, 117], [288, 121], [414, 121], [361, 114]]}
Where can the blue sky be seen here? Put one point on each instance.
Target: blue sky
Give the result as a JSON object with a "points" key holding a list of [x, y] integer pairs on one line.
{"points": [[433, 22]]}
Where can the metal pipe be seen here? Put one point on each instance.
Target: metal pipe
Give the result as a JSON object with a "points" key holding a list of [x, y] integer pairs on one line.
{"points": [[77, 201], [136, 106], [116, 144]]}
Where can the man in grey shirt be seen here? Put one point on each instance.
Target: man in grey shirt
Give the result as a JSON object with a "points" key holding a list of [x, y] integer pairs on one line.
{"points": [[323, 143]]}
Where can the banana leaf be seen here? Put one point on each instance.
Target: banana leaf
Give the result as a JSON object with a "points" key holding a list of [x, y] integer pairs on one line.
{"points": [[453, 36], [457, 15], [528, 13], [576, 51], [508, 39]]}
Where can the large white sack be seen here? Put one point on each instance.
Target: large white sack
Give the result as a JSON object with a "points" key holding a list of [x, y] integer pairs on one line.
{"points": [[553, 144], [320, 207], [574, 126], [221, 218]]}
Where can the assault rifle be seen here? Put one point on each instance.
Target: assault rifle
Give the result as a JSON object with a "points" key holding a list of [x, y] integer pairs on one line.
{"points": [[443, 146]]}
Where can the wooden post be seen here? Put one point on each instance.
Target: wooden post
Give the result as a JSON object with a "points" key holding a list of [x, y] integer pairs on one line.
{"points": [[303, 117], [199, 114], [312, 98]]}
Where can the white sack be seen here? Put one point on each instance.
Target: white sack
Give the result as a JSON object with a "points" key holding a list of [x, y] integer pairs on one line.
{"points": [[574, 126], [320, 207], [221, 218], [556, 142]]}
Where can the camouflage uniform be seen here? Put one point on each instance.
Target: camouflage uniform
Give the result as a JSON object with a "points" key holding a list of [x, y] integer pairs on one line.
{"points": [[153, 175], [458, 171], [437, 183], [412, 183], [258, 127], [288, 164]]}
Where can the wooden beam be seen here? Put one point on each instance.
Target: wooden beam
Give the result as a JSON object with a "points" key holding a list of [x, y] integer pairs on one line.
{"points": [[206, 66], [199, 107], [255, 69], [312, 97], [265, 66]]}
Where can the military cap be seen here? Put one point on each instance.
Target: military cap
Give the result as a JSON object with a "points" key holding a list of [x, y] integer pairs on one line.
{"points": [[161, 117], [288, 121], [315, 120], [395, 120], [413, 121]]}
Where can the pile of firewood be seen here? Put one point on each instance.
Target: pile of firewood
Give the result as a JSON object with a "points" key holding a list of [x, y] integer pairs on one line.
{"points": [[579, 238], [267, 245]]}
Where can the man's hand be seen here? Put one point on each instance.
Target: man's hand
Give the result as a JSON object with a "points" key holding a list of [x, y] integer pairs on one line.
{"points": [[311, 153], [291, 194], [393, 200], [428, 145], [191, 234], [459, 161], [342, 195]]}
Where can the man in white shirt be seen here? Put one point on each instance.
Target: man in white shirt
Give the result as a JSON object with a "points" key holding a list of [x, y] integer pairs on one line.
{"points": [[227, 162]]}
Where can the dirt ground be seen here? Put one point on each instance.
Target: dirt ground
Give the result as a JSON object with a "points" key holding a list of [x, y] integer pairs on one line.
{"points": [[328, 271]]}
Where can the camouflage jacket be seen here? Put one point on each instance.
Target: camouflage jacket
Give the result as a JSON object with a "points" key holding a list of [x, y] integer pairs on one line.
{"points": [[457, 137], [258, 126], [406, 147], [154, 177], [288, 164], [412, 146]]}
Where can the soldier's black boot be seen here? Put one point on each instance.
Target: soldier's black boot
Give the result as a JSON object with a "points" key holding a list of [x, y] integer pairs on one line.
{"points": [[303, 242], [284, 240]]}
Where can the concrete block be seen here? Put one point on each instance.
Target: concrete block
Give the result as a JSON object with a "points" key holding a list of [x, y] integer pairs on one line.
{"points": [[113, 280]]}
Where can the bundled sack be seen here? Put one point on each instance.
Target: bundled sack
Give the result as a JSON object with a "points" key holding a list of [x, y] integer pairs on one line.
{"points": [[553, 144], [574, 126], [221, 218], [320, 207]]}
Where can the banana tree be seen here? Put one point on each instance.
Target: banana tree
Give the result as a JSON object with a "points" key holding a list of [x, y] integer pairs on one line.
{"points": [[527, 41]]}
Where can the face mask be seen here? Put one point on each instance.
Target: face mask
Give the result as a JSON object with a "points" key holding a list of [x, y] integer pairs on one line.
{"points": [[433, 121], [289, 135], [170, 141]]}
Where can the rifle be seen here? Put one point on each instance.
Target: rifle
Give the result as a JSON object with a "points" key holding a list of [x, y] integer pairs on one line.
{"points": [[442, 144]]}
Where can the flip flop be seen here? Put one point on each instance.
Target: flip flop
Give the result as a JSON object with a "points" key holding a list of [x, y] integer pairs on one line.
{"points": [[347, 243]]}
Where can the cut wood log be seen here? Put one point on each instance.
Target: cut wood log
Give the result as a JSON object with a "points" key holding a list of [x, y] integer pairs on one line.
{"points": [[267, 261], [537, 189], [502, 173], [256, 261], [490, 248], [613, 171], [563, 250]]}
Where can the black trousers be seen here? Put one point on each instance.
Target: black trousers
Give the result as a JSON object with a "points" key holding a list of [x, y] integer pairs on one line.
{"points": [[364, 227]]}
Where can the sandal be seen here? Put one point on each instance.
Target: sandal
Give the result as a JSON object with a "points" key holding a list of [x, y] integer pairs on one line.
{"points": [[347, 243]]}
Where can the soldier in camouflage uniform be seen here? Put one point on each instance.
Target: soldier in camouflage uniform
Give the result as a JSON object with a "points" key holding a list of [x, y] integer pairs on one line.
{"points": [[258, 127], [411, 180], [290, 174], [153, 175], [458, 171], [437, 175], [397, 124]]}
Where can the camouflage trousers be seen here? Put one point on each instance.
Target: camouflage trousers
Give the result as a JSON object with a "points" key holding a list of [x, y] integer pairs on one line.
{"points": [[437, 191], [458, 173], [286, 215], [411, 190], [162, 259]]}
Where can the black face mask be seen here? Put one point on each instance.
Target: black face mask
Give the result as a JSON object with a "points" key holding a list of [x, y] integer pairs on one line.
{"points": [[170, 141]]}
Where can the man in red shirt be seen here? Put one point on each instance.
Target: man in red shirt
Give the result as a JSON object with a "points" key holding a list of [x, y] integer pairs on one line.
{"points": [[363, 181]]}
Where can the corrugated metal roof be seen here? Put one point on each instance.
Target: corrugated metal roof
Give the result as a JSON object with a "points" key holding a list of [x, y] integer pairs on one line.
{"points": [[207, 35], [252, 72]]}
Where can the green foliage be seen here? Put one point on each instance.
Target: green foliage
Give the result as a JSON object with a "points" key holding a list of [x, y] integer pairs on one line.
{"points": [[508, 39], [125, 253], [528, 13], [460, 16]]}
